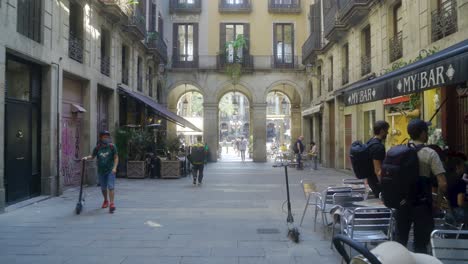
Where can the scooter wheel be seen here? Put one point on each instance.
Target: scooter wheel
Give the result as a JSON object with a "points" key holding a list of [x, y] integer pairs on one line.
{"points": [[78, 208]]}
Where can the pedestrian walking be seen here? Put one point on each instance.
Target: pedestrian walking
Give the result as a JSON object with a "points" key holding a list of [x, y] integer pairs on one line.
{"points": [[416, 210], [377, 155], [197, 157], [243, 147], [314, 154], [298, 150], [107, 160]]}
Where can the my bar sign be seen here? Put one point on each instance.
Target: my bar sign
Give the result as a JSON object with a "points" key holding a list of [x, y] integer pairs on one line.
{"points": [[423, 80], [362, 96]]}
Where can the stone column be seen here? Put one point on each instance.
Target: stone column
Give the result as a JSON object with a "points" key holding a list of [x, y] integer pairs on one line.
{"points": [[259, 112], [114, 117], [210, 129], [296, 123], [2, 127]]}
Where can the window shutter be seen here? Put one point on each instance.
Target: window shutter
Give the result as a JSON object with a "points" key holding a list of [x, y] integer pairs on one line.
{"points": [[222, 37], [195, 43], [274, 40], [247, 37]]}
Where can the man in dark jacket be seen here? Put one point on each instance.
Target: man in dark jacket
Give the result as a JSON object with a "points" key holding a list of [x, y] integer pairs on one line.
{"points": [[377, 153], [197, 157], [299, 149]]}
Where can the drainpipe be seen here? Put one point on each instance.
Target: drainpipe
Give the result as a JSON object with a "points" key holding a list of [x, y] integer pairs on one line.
{"points": [[58, 126]]}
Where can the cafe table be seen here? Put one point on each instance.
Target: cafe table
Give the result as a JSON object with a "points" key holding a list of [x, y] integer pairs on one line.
{"points": [[376, 203]]}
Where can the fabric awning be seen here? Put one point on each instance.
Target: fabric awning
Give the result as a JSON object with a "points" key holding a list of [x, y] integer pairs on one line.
{"points": [[160, 110], [444, 68], [312, 110]]}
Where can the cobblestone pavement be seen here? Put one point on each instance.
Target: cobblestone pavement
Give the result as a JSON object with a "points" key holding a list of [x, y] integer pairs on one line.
{"points": [[172, 221]]}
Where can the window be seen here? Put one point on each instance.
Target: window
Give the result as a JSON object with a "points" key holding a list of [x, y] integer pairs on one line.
{"points": [[139, 74], [345, 60], [396, 42], [235, 2], [186, 46], [160, 25], [153, 13], [75, 38], [330, 79], [366, 51], [369, 120], [105, 52], [150, 81], [444, 19], [228, 34], [125, 64], [284, 43], [320, 79], [186, 2], [29, 19]]}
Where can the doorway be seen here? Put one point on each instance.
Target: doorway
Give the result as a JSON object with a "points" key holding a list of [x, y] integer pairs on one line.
{"points": [[234, 127], [348, 140], [331, 129], [22, 130]]}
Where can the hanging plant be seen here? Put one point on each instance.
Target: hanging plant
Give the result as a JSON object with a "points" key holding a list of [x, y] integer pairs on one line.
{"points": [[234, 69], [415, 101]]}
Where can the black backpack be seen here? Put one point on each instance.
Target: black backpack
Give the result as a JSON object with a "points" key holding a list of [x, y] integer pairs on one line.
{"points": [[400, 176], [295, 149], [361, 160], [197, 155]]}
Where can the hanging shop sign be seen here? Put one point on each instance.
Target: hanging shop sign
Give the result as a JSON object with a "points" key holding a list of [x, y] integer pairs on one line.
{"points": [[445, 68]]}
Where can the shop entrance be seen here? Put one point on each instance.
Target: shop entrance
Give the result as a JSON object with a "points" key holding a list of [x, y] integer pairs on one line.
{"points": [[22, 129], [348, 139]]}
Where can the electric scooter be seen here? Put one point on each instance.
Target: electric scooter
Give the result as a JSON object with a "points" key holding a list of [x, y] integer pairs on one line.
{"points": [[293, 232], [81, 200]]}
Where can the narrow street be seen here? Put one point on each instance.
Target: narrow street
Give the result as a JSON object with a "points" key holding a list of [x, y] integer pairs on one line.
{"points": [[236, 216]]}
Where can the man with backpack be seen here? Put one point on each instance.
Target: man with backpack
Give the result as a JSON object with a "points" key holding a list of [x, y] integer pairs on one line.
{"points": [[107, 161], [299, 148], [406, 185], [197, 157]]}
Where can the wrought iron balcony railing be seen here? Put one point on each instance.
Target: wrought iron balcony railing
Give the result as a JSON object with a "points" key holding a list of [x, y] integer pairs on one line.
{"points": [[332, 23], [313, 43], [230, 6], [344, 76], [75, 48], [105, 65], [185, 6], [116, 8], [396, 47], [444, 20], [155, 42], [330, 84], [366, 65], [246, 62], [353, 11], [288, 61], [284, 6], [184, 61], [137, 23], [125, 76]]}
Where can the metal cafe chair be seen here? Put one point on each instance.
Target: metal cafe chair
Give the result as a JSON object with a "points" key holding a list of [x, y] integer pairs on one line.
{"points": [[353, 181], [344, 202], [368, 224], [310, 192], [324, 203], [448, 247]]}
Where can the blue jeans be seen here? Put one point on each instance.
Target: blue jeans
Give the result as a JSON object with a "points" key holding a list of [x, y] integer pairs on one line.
{"points": [[315, 158], [107, 181], [197, 172]]}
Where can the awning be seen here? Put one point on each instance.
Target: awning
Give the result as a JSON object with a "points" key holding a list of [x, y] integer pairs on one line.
{"points": [[76, 108], [160, 110], [312, 110], [447, 67]]}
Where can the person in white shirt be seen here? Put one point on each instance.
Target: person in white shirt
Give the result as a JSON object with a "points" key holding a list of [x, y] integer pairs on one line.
{"points": [[243, 147]]}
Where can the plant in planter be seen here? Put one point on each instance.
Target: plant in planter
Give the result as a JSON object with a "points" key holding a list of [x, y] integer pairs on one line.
{"points": [[122, 137], [233, 68], [173, 146], [138, 143]]}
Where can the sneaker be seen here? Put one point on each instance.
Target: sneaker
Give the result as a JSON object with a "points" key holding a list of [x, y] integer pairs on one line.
{"points": [[199, 183], [112, 208], [194, 182], [105, 204]]}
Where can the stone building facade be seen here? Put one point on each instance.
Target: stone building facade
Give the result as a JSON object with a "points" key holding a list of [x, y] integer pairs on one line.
{"points": [[354, 42], [61, 65]]}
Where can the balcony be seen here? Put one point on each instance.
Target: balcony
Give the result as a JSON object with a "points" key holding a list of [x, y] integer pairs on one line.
{"points": [[230, 6], [155, 43], [105, 65], [185, 6], [284, 6], [311, 47], [366, 65], [352, 12], [396, 47], [115, 9], [137, 24], [246, 61], [184, 61], [344, 76], [334, 29], [444, 20], [285, 62], [125, 76], [75, 48]]}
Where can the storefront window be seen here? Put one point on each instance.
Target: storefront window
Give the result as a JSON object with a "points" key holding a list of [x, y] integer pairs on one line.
{"points": [[432, 103], [369, 120]]}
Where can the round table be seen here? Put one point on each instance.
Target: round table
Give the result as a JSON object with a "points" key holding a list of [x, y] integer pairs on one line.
{"points": [[377, 203]]}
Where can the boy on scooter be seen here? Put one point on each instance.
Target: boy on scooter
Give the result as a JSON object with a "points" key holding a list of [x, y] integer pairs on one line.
{"points": [[107, 161]]}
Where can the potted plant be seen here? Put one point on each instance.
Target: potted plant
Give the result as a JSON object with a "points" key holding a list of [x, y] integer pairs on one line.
{"points": [[173, 146], [138, 143], [122, 137]]}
